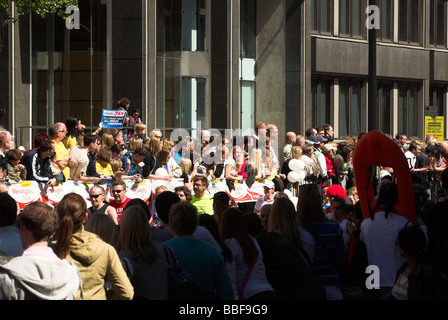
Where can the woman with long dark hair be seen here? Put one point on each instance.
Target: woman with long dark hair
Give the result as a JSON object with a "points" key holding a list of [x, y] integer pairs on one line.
{"points": [[143, 259], [74, 128], [327, 234], [97, 260], [288, 266], [251, 281]]}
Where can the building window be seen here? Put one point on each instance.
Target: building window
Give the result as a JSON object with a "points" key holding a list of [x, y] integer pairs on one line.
{"points": [[408, 106], [410, 21], [321, 101], [248, 28], [438, 26], [385, 33], [350, 107], [247, 96], [194, 102], [385, 106], [321, 16], [69, 75], [351, 18], [436, 97], [194, 17]]}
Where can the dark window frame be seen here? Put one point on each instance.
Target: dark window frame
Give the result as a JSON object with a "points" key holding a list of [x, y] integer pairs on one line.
{"points": [[410, 22], [351, 20], [318, 19], [434, 30], [318, 118], [381, 6], [408, 114], [382, 85], [350, 82]]}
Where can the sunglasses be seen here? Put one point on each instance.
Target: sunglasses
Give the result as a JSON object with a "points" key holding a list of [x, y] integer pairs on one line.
{"points": [[94, 196], [117, 191]]}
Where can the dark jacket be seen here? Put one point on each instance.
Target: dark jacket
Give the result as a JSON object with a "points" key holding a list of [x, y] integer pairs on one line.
{"points": [[91, 167], [287, 269], [436, 220], [426, 282], [41, 168], [27, 160]]}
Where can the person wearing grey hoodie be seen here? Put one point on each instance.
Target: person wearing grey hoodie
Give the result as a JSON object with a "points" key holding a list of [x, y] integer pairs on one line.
{"points": [[38, 274]]}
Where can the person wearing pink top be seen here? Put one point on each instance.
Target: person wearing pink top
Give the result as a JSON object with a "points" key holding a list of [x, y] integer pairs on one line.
{"points": [[38, 274]]}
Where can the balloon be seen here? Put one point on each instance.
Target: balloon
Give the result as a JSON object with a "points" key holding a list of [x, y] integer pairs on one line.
{"points": [[291, 164], [293, 177], [302, 175], [296, 165], [299, 165]]}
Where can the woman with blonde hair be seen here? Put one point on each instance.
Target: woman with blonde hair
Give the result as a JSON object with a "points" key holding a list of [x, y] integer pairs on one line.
{"points": [[269, 159], [296, 153], [151, 161], [185, 165], [133, 144], [155, 134], [97, 261], [234, 167], [255, 161], [107, 140]]}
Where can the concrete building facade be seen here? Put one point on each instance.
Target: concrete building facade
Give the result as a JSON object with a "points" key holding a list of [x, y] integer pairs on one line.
{"points": [[228, 64]]}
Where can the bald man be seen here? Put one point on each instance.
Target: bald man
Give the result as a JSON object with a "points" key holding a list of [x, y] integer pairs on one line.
{"points": [[290, 140]]}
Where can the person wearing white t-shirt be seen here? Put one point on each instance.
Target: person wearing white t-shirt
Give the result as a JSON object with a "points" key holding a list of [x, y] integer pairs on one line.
{"points": [[411, 156], [380, 232], [268, 198], [81, 159]]}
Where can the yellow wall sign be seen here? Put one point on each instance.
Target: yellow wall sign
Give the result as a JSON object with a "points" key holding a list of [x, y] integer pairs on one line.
{"points": [[434, 126]]}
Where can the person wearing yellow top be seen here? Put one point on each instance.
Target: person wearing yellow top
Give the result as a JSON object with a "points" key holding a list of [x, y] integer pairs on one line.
{"points": [[102, 164], [201, 198], [74, 128], [58, 132]]}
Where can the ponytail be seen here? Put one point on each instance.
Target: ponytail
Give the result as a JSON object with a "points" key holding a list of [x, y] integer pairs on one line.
{"points": [[71, 211]]}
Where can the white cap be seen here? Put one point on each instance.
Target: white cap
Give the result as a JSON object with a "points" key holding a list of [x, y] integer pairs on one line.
{"points": [[269, 184]]}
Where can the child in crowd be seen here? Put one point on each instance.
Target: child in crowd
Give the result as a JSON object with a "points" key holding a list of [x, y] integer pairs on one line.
{"points": [[55, 170], [139, 131], [102, 163], [326, 201], [352, 195], [116, 165], [16, 171]]}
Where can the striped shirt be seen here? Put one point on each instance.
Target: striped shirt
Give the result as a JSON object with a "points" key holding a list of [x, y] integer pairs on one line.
{"points": [[330, 234]]}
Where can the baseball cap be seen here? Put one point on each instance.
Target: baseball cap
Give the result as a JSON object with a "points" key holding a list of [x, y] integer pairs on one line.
{"points": [[269, 184], [328, 147], [319, 139]]}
